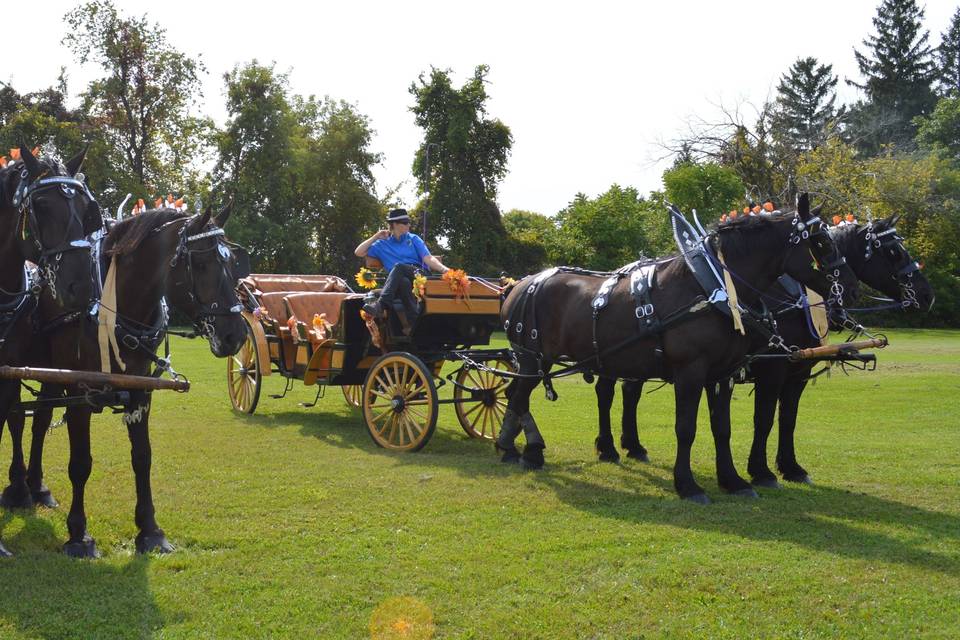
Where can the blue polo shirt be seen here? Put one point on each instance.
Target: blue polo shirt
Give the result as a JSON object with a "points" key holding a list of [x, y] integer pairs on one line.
{"points": [[409, 249]]}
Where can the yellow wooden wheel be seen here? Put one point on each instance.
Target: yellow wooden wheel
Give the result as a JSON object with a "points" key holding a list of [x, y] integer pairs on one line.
{"points": [[400, 402], [243, 376], [482, 405], [352, 394]]}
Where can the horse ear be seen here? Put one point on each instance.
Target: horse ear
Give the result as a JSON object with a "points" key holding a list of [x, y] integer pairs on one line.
{"points": [[224, 215], [30, 162], [817, 210], [204, 218], [803, 204], [74, 163], [893, 220]]}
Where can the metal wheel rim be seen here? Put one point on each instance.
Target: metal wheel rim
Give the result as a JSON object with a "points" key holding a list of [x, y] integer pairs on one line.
{"points": [[478, 419], [409, 428]]}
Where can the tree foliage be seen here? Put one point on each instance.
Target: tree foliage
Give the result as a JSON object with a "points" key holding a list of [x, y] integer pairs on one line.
{"points": [[609, 231], [709, 188], [898, 71], [805, 110], [468, 158], [941, 130], [299, 172], [141, 106], [948, 57]]}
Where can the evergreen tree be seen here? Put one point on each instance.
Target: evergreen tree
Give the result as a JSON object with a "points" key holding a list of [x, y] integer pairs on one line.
{"points": [[898, 70], [805, 104], [948, 56], [468, 157]]}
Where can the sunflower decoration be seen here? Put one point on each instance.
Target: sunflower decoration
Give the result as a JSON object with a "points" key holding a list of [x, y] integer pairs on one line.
{"points": [[459, 283], [321, 329], [420, 286], [366, 278]]}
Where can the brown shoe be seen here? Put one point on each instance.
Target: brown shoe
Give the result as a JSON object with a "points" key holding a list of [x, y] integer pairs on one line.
{"points": [[374, 309]]}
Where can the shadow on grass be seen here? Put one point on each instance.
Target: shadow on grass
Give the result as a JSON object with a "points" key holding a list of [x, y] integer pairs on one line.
{"points": [[44, 594], [820, 517]]}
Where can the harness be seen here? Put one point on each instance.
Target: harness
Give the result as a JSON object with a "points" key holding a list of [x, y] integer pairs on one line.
{"points": [[24, 303], [88, 221], [701, 259]]}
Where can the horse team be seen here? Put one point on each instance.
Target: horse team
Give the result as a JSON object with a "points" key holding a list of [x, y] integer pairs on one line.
{"points": [[54, 315]]}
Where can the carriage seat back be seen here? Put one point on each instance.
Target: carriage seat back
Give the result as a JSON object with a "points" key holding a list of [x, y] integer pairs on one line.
{"points": [[305, 305], [273, 283]]}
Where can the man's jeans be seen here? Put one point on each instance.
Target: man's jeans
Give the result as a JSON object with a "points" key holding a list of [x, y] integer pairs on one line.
{"points": [[397, 292]]}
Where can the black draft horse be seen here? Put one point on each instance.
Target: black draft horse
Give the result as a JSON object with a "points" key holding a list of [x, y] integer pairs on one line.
{"points": [[880, 260], [46, 213], [698, 350], [157, 252], [877, 255]]}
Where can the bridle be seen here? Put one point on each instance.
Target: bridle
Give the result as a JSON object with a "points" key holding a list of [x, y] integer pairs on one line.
{"points": [[829, 263], [87, 222], [206, 311], [888, 239]]}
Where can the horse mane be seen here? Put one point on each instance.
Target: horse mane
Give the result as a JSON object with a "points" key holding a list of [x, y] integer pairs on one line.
{"points": [[742, 243], [127, 235]]}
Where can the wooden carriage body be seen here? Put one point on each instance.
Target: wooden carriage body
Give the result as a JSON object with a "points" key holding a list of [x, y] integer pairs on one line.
{"points": [[310, 328]]}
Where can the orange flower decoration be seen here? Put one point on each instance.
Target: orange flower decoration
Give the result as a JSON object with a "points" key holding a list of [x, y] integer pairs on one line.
{"points": [[178, 203], [746, 210], [836, 220], [292, 324], [420, 286], [768, 206], [14, 154], [851, 218], [733, 214], [3, 162], [459, 283], [756, 209]]}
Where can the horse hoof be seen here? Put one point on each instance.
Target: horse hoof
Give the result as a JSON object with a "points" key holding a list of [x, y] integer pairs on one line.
{"points": [[766, 483], [510, 457], [531, 465], [15, 499], [609, 457], [638, 455], [85, 548], [4, 552], [699, 498], [156, 542], [799, 479], [746, 492], [45, 499]]}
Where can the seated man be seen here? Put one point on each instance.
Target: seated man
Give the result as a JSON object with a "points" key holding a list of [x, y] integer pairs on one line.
{"points": [[402, 254]]}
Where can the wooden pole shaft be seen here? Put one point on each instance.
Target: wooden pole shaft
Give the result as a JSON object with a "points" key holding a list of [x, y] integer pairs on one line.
{"points": [[92, 379], [834, 349]]}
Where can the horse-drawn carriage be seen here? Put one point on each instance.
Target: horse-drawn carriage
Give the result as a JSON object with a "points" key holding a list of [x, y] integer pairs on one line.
{"points": [[311, 328]]}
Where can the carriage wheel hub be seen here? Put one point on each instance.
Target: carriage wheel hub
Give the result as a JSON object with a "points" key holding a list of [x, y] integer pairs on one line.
{"points": [[397, 404]]}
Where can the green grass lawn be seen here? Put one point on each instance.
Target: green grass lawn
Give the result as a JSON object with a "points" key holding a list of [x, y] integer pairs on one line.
{"points": [[291, 523]]}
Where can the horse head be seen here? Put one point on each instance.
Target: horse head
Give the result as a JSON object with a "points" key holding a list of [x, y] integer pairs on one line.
{"points": [[205, 272], [879, 258], [56, 214]]}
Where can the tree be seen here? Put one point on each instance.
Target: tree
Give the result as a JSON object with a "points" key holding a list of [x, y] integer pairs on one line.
{"points": [[709, 188], [805, 111], [142, 105], [299, 172], [941, 130], [609, 231], [948, 57], [528, 235], [468, 158], [898, 70]]}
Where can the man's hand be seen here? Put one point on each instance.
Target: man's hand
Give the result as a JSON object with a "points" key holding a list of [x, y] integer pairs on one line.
{"points": [[380, 235]]}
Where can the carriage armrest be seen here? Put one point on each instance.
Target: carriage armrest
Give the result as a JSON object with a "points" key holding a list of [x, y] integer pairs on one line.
{"points": [[372, 263]]}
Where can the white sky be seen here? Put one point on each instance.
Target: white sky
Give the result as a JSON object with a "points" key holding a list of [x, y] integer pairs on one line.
{"points": [[587, 88]]}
